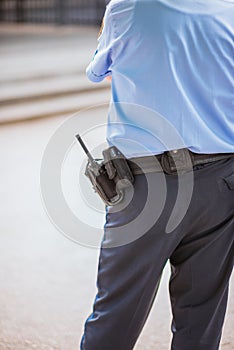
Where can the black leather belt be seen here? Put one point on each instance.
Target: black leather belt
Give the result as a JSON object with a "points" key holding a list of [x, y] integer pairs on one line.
{"points": [[173, 162]]}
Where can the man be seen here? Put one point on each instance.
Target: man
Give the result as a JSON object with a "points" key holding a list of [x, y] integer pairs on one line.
{"points": [[172, 72]]}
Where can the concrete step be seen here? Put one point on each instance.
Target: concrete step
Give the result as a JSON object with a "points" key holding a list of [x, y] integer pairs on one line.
{"points": [[53, 106], [31, 51], [50, 87]]}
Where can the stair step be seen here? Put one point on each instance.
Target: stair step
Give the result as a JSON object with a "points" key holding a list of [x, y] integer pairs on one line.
{"points": [[53, 106], [59, 86]]}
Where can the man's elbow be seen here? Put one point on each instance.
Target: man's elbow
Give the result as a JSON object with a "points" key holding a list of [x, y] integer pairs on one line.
{"points": [[96, 78]]}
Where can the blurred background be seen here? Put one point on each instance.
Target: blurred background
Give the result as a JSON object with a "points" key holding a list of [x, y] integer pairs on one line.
{"points": [[52, 11], [47, 282]]}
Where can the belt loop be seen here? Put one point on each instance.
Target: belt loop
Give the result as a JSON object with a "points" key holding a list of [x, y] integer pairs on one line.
{"points": [[177, 161]]}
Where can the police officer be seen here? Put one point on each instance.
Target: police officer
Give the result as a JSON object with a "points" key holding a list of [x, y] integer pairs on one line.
{"points": [[172, 69]]}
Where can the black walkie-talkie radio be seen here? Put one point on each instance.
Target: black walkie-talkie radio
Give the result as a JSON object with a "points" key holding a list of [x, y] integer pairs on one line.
{"points": [[110, 176]]}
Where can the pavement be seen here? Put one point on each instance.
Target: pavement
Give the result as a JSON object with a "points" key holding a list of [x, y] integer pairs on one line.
{"points": [[47, 280]]}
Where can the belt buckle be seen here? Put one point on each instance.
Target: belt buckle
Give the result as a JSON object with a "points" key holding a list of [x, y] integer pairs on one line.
{"points": [[177, 161]]}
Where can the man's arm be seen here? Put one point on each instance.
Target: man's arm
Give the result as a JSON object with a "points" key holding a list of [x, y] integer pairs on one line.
{"points": [[100, 66]]}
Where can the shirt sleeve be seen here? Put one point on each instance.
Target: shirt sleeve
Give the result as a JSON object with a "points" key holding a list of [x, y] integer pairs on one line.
{"points": [[100, 66]]}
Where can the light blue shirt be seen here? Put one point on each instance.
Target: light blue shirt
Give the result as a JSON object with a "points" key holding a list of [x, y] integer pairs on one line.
{"points": [[172, 68]]}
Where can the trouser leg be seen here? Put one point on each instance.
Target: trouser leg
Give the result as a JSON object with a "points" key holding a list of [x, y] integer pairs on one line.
{"points": [[128, 278], [129, 274], [202, 264], [125, 295]]}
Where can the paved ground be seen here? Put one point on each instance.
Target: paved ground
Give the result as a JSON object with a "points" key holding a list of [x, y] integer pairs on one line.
{"points": [[47, 281]]}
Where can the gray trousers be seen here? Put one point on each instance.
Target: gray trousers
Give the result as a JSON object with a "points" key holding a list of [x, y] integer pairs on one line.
{"points": [[200, 251]]}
